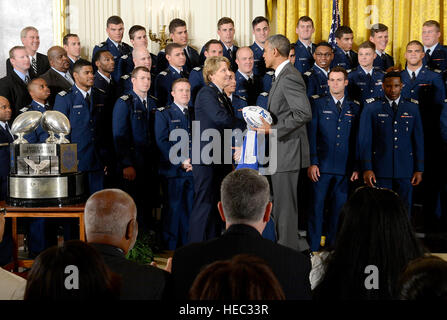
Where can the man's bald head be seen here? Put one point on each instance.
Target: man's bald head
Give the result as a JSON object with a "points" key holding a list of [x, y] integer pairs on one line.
{"points": [[107, 216], [57, 56], [245, 60], [142, 57]]}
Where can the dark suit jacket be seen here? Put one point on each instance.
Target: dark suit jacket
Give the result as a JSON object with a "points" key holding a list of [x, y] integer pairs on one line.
{"points": [[42, 66], [56, 83], [290, 267], [290, 110], [14, 89], [138, 282]]}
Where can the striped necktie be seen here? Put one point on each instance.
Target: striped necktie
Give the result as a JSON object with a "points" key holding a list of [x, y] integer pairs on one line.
{"points": [[34, 65]]}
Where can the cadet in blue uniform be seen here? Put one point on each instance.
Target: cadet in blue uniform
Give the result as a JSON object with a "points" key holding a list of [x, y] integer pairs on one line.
{"points": [[391, 141], [248, 85], [316, 78], [6, 137], [435, 53], [238, 102], [304, 48], [365, 81], [164, 80], [214, 111], [379, 36], [80, 106], [140, 58], [426, 86], [72, 45], [178, 176], [261, 31], [138, 38], [213, 48], [332, 143], [179, 35], [344, 56], [132, 140], [114, 44]]}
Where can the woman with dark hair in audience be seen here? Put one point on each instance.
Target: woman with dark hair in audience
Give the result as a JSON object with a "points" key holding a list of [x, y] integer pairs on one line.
{"points": [[374, 244], [244, 277], [74, 271], [424, 279]]}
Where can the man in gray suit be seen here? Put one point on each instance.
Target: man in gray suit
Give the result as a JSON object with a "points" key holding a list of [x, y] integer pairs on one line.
{"points": [[290, 110], [58, 77]]}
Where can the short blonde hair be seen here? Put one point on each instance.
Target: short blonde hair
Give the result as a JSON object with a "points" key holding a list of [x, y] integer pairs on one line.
{"points": [[212, 64]]}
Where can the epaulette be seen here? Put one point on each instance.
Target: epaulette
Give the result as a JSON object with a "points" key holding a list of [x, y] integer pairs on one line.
{"points": [[270, 73], [370, 100], [125, 97], [103, 91], [25, 109], [63, 92], [124, 56], [102, 44], [163, 73], [154, 98], [437, 70], [240, 97], [307, 73], [125, 77], [163, 108], [264, 94], [316, 96], [349, 70], [379, 70], [197, 69], [356, 102], [412, 100]]}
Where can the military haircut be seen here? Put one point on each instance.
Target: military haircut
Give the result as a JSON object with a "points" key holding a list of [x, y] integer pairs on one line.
{"points": [[134, 29], [258, 20], [304, 19], [114, 20], [392, 74], [210, 42], [175, 23], [338, 69], [324, 44], [172, 46], [98, 54], [368, 45], [432, 23], [78, 65], [342, 30], [179, 81], [415, 42], [224, 20], [137, 70], [68, 36], [378, 27]]}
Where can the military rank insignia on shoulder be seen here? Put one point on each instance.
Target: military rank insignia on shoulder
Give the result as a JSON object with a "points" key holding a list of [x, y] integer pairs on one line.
{"points": [[163, 108], [100, 90], [264, 94], [316, 96], [270, 73], [154, 98], [356, 102], [241, 97], [414, 101], [25, 109], [197, 69], [370, 100], [437, 70], [307, 73], [125, 97], [62, 93], [350, 70], [124, 56], [102, 44], [163, 73], [125, 77]]}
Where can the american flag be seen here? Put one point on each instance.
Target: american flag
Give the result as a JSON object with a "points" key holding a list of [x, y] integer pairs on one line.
{"points": [[335, 22]]}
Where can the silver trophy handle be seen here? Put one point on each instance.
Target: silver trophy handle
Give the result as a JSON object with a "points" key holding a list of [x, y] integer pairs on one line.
{"points": [[20, 139], [52, 138]]}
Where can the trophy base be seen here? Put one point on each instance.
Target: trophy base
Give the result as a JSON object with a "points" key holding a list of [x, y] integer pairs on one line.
{"points": [[45, 191]]}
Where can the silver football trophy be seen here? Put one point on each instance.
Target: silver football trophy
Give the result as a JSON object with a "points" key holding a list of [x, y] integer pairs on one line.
{"points": [[25, 123], [55, 122]]}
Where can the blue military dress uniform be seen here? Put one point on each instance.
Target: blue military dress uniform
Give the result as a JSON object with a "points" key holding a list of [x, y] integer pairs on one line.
{"points": [[238, 103], [364, 86], [332, 142], [267, 80], [248, 88], [437, 59], [118, 56], [180, 186], [83, 116], [192, 61], [39, 135], [341, 60], [262, 100], [304, 59], [384, 61], [316, 82], [129, 65], [196, 81], [163, 85], [259, 68], [392, 144]]}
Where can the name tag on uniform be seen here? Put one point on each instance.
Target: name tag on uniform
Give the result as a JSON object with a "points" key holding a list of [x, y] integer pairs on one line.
{"points": [[78, 106], [379, 83], [303, 59], [361, 83], [325, 111], [383, 115], [176, 120]]}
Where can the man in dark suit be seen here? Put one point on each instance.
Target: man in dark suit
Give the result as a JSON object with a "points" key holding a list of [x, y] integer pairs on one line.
{"points": [[13, 86], [111, 228], [290, 109], [179, 34], [245, 208], [379, 36], [58, 77], [72, 45], [31, 41]]}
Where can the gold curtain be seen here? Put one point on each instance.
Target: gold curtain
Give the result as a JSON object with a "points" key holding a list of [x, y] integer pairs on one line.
{"points": [[404, 19]]}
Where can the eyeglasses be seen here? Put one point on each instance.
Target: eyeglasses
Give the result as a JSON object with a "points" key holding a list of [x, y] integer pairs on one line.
{"points": [[323, 54]]}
